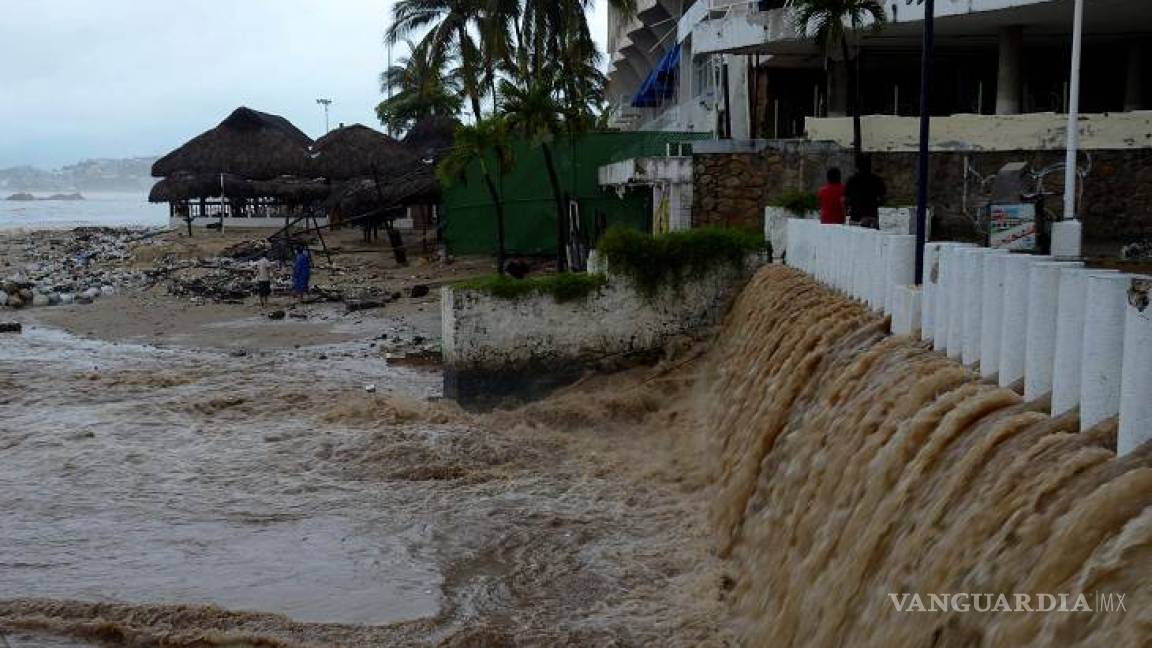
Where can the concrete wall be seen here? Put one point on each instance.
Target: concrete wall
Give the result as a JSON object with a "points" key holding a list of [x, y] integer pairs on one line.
{"points": [[495, 347], [1030, 132], [733, 188], [1057, 328]]}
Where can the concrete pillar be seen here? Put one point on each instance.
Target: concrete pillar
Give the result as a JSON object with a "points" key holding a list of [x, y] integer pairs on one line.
{"points": [[928, 290], [878, 291], [862, 251], [1136, 371], [1134, 86], [1070, 304], [991, 311], [971, 278], [1067, 239], [954, 289], [1040, 345], [906, 310], [901, 267], [1008, 76], [944, 285], [1106, 308], [1014, 323]]}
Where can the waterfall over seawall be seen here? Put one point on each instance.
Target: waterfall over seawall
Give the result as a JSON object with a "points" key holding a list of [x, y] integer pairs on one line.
{"points": [[849, 465]]}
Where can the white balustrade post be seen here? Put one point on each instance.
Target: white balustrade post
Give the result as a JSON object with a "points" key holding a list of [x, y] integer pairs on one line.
{"points": [[1071, 302], [1014, 325], [900, 267], [972, 273], [1136, 371], [929, 290], [1105, 311], [1040, 345], [955, 292], [878, 288], [991, 311]]}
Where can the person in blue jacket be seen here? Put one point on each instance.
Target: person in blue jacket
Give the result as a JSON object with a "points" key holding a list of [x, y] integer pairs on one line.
{"points": [[301, 271]]}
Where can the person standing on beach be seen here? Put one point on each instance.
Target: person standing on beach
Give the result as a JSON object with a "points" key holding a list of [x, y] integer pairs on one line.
{"points": [[831, 197], [301, 271], [864, 194], [263, 280]]}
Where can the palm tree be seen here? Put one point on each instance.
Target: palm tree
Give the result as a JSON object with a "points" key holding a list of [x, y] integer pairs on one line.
{"points": [[532, 113], [419, 88], [450, 25], [831, 21], [472, 145]]}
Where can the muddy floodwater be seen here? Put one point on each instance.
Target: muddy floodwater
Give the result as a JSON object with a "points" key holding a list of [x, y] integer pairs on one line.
{"points": [[189, 496]]}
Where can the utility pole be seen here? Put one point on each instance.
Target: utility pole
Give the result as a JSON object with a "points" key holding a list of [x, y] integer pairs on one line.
{"points": [[325, 103], [925, 131], [1067, 234]]}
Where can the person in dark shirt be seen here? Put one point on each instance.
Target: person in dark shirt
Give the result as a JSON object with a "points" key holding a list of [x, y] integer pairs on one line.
{"points": [[864, 193], [831, 197]]}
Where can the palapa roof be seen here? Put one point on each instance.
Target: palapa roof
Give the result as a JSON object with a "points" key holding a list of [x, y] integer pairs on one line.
{"points": [[417, 185], [248, 143], [193, 186], [189, 186], [358, 151], [431, 136]]}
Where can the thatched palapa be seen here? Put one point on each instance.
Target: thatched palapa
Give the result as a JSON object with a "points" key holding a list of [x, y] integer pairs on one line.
{"points": [[416, 186], [357, 151], [193, 186], [249, 144], [431, 137]]}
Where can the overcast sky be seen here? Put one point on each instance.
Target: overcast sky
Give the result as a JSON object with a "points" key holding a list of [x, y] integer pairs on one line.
{"points": [[121, 78]]}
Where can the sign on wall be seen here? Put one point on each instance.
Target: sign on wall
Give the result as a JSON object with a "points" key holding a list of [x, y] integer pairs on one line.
{"points": [[1012, 226]]}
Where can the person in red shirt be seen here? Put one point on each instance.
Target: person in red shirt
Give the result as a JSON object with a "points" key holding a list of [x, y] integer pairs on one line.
{"points": [[831, 197]]}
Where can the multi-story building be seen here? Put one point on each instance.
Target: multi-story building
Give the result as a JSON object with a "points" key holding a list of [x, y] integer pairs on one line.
{"points": [[744, 69]]}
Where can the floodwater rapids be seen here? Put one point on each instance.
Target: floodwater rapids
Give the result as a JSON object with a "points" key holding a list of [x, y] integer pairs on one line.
{"points": [[850, 464], [769, 488]]}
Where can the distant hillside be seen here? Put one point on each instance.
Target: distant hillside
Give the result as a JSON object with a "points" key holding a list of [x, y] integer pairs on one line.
{"points": [[131, 174]]}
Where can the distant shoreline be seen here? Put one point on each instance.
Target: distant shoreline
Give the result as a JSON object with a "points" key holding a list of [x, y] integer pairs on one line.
{"points": [[24, 196]]}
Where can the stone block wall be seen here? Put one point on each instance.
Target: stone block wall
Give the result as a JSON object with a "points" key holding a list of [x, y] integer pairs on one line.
{"points": [[733, 188]]}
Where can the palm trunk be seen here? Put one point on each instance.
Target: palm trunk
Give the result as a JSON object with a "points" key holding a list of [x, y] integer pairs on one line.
{"points": [[470, 67], [495, 195], [561, 216], [853, 96]]}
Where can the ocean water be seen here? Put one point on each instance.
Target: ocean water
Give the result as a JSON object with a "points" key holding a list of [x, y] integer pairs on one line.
{"points": [[97, 209]]}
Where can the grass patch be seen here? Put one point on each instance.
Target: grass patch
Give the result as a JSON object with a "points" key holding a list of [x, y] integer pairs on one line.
{"points": [[563, 287], [654, 262], [798, 202]]}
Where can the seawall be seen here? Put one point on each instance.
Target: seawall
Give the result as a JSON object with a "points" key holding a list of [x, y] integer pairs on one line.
{"points": [[849, 464], [497, 348]]}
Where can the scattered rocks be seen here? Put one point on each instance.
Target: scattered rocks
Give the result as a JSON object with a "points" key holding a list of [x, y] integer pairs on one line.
{"points": [[418, 291], [277, 315], [238, 353], [11, 327]]}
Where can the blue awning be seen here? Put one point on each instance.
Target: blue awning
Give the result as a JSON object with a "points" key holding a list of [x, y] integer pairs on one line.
{"points": [[661, 83]]}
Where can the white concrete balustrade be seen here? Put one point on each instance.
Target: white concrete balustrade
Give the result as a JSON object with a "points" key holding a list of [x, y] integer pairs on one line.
{"points": [[1081, 336]]}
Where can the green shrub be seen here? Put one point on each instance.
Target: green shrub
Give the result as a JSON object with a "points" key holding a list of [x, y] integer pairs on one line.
{"points": [[798, 202], [563, 287], [653, 262]]}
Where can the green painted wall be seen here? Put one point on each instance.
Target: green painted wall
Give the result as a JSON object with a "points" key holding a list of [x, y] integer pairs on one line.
{"points": [[529, 207]]}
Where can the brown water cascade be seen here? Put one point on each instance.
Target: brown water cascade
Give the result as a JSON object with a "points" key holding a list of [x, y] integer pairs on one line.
{"points": [[850, 464]]}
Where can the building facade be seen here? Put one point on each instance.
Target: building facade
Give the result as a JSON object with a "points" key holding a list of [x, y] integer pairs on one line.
{"points": [[743, 69]]}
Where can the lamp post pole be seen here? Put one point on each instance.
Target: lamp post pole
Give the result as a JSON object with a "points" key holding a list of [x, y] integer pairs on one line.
{"points": [[925, 130], [1066, 235], [325, 103]]}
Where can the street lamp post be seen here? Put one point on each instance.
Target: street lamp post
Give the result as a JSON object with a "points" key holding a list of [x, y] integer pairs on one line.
{"points": [[925, 130], [325, 103], [1066, 234]]}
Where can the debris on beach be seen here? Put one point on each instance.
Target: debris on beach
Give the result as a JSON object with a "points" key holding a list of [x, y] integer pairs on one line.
{"points": [[11, 327]]}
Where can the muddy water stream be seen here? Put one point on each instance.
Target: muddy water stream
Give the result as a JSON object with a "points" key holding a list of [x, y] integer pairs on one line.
{"points": [[135, 474], [189, 497]]}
